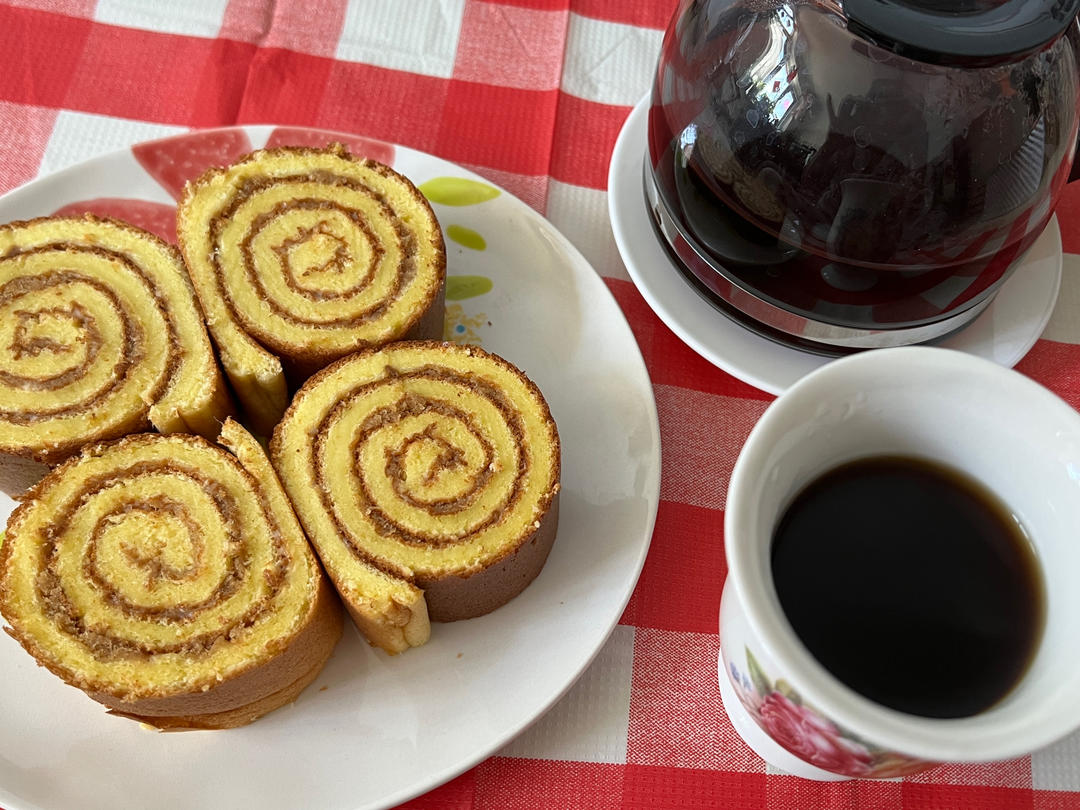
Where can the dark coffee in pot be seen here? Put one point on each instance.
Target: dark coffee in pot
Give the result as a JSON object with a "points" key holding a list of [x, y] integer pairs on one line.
{"points": [[911, 583]]}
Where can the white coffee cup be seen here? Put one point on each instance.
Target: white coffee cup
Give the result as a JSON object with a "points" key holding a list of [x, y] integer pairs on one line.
{"points": [[1017, 438]]}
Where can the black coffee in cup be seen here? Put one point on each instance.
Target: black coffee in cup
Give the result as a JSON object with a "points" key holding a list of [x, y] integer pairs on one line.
{"points": [[911, 583]]}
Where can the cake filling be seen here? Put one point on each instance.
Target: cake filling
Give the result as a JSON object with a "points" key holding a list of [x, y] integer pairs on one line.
{"points": [[60, 608]]}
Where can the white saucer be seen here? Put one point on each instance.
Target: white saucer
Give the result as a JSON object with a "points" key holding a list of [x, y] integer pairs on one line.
{"points": [[1004, 332]]}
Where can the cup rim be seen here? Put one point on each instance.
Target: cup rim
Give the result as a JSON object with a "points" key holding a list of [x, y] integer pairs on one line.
{"points": [[980, 737]]}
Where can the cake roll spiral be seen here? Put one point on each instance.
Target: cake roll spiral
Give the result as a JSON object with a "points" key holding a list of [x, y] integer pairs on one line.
{"points": [[100, 336], [301, 256], [427, 476], [168, 578]]}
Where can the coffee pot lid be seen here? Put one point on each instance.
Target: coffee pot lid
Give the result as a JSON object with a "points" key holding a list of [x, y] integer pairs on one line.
{"points": [[961, 32]]}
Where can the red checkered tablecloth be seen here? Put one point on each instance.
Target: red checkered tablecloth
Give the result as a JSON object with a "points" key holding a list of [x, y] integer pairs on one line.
{"points": [[531, 94]]}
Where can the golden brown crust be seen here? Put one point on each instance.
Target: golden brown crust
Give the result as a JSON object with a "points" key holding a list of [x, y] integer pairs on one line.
{"points": [[88, 217], [254, 692], [231, 718], [452, 598], [18, 474], [428, 328]]}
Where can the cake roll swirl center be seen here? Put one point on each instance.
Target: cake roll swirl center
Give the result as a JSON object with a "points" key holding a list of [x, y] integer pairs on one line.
{"points": [[295, 254], [158, 537], [75, 327], [323, 251], [160, 556], [441, 464], [42, 338], [433, 457], [62, 331], [56, 331]]}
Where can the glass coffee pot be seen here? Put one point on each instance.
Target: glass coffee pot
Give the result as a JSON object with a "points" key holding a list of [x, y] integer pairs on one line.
{"points": [[848, 174]]}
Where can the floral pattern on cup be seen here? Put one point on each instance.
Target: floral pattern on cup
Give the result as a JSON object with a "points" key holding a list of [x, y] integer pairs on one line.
{"points": [[808, 734]]}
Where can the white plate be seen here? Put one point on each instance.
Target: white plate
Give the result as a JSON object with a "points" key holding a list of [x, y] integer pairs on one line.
{"points": [[375, 730], [1004, 332]]}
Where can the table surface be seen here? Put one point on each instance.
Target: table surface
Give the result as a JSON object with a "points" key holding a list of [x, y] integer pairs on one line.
{"points": [[531, 94]]}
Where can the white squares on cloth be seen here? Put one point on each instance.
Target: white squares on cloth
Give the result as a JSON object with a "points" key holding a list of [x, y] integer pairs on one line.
{"points": [[509, 46], [581, 214], [1057, 767], [197, 18], [609, 62], [590, 724], [78, 136], [72, 8], [419, 36], [1064, 325]]}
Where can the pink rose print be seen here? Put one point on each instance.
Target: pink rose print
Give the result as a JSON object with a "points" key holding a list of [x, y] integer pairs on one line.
{"points": [[811, 737], [808, 735]]}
